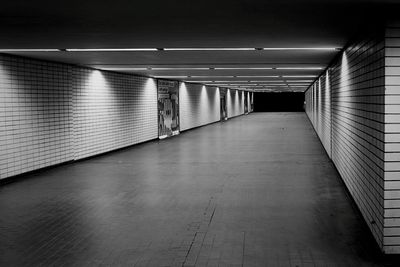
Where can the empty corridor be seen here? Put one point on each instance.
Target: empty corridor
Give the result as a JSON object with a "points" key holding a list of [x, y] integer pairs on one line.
{"points": [[257, 190]]}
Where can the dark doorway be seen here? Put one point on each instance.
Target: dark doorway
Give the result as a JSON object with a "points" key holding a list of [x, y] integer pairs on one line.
{"points": [[270, 102]]}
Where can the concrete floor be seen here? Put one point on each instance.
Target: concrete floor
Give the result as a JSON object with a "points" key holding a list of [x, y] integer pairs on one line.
{"points": [[258, 190]]}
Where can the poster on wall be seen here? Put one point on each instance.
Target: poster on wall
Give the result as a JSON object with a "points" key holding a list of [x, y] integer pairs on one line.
{"points": [[168, 108], [223, 104], [246, 104]]}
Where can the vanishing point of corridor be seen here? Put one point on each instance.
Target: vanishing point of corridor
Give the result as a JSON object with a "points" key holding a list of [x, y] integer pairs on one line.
{"points": [[257, 191]]}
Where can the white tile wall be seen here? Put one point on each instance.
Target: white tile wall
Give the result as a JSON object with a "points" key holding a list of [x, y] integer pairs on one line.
{"points": [[52, 113], [355, 85], [112, 111], [35, 115], [198, 105], [321, 117], [392, 140]]}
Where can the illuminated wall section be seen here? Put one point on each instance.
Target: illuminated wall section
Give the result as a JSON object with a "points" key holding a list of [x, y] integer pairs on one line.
{"points": [[248, 101], [112, 111], [347, 105], [321, 116], [235, 103], [198, 105], [35, 115]]}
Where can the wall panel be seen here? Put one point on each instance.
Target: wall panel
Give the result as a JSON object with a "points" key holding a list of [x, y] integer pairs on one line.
{"points": [[199, 105], [235, 103], [112, 111], [346, 105], [35, 115], [392, 140]]}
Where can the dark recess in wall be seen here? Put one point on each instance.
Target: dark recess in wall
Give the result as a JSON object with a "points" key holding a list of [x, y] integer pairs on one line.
{"points": [[270, 102]]}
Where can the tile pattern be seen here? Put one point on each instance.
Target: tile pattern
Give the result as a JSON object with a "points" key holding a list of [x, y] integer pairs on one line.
{"points": [[356, 85], [320, 115], [52, 113], [112, 111], [193, 201], [35, 115], [392, 139], [198, 105]]}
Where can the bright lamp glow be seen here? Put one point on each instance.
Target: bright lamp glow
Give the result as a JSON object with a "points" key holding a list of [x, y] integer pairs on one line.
{"points": [[299, 76], [207, 76], [211, 49], [110, 49], [243, 68], [299, 68], [302, 48], [31, 50]]}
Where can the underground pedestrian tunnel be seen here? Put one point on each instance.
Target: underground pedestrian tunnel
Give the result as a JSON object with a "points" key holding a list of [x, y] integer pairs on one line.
{"points": [[180, 133]]}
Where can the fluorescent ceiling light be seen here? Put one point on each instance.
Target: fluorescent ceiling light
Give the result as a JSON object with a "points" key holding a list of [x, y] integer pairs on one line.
{"points": [[110, 49], [299, 68], [127, 69], [244, 68], [184, 68], [184, 76], [220, 81], [210, 49], [302, 48], [199, 81], [272, 76], [31, 50], [150, 68], [301, 81], [217, 76], [299, 76]]}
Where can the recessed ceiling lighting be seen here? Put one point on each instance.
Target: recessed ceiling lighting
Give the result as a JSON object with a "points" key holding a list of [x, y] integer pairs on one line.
{"points": [[183, 68], [211, 49], [199, 81], [31, 50], [271, 76], [216, 76], [300, 81], [299, 76], [150, 68], [299, 68], [243, 68], [302, 48], [184, 76], [110, 49]]}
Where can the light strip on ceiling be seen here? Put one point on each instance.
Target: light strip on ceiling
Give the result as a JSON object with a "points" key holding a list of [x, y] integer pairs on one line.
{"points": [[243, 68], [301, 48], [299, 81], [299, 68], [211, 49], [209, 68], [272, 76], [150, 68], [299, 76], [31, 50], [111, 49], [217, 76]]}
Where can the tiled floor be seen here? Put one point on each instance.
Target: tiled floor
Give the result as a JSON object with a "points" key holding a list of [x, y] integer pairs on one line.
{"points": [[257, 190]]}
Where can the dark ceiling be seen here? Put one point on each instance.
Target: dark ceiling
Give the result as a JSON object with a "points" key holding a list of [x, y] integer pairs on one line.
{"points": [[188, 24]]}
